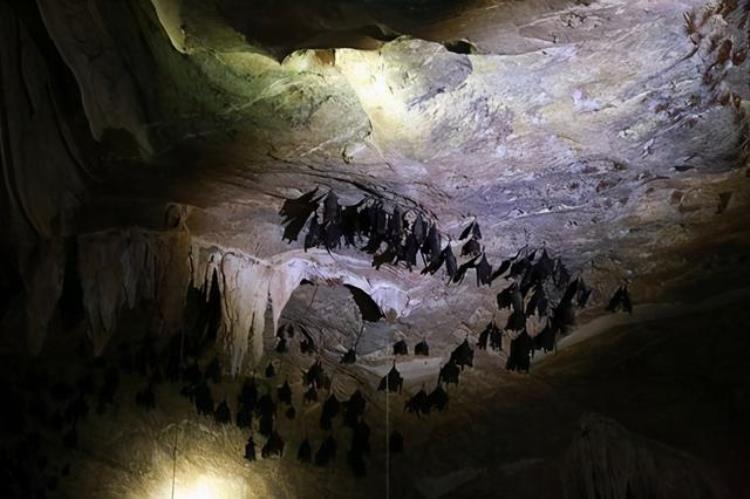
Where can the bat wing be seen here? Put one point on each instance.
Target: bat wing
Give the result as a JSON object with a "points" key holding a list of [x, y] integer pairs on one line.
{"points": [[502, 269]]}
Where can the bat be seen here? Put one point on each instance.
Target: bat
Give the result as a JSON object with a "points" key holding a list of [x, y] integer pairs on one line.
{"points": [[463, 355], [584, 293], [506, 297], [222, 414], [516, 321], [502, 269], [451, 267], [331, 408], [411, 248], [204, 402], [538, 303], [284, 393], [270, 371], [307, 345], [400, 348], [484, 271], [244, 418], [545, 340], [431, 245], [350, 224], [519, 357], [496, 338], [561, 275], [461, 272], [449, 373], [418, 404], [304, 453], [361, 438], [419, 230], [295, 213], [395, 226], [422, 348], [387, 256], [483, 337], [471, 248], [266, 406], [316, 376], [472, 230], [331, 209], [250, 449], [353, 409], [265, 426], [311, 395], [350, 357], [393, 382], [327, 452], [274, 446], [314, 233], [248, 394], [281, 346], [438, 398], [369, 310], [621, 299]]}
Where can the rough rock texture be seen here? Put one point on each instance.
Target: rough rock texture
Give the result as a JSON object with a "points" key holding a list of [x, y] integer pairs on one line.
{"points": [[148, 145]]}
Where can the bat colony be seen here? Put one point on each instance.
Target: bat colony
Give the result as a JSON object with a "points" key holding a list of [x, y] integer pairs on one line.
{"points": [[538, 286]]}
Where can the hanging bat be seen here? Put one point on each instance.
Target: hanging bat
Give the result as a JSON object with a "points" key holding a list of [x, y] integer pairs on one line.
{"points": [[545, 340], [361, 438], [621, 299], [411, 248], [387, 256], [422, 348], [484, 271], [314, 233], [483, 337], [449, 373], [250, 449], [331, 408], [284, 393], [270, 371], [461, 272], [502, 269], [561, 275], [463, 355], [538, 303], [419, 230], [350, 224], [496, 338], [304, 453], [507, 297], [248, 394], [353, 409], [369, 310], [400, 348], [431, 245], [393, 382], [274, 446], [331, 209], [438, 398], [471, 248], [244, 418], [350, 357], [327, 452], [472, 230], [281, 346], [418, 404], [265, 425], [316, 376], [584, 292], [266, 406], [307, 345], [311, 395], [395, 226], [516, 321], [222, 414], [519, 357], [296, 212]]}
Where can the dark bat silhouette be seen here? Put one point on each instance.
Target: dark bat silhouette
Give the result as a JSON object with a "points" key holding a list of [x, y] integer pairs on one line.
{"points": [[353, 409], [620, 300], [386, 257], [449, 373], [311, 395], [248, 394], [331, 209], [361, 438], [418, 404], [584, 293], [393, 382], [463, 355], [222, 414], [438, 398], [369, 310], [274, 446], [307, 345], [316, 376], [419, 230], [350, 357], [422, 348], [506, 297], [431, 245], [472, 230], [400, 348], [304, 453], [270, 371], [502, 269], [295, 213], [314, 234], [204, 402], [265, 406], [284, 393], [471, 248], [561, 275], [461, 272], [265, 426], [545, 340], [411, 248], [281, 346], [350, 224], [330, 410], [483, 337], [451, 266], [244, 417], [250, 449], [395, 226], [327, 452], [538, 303], [484, 271], [496, 338], [520, 349]]}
